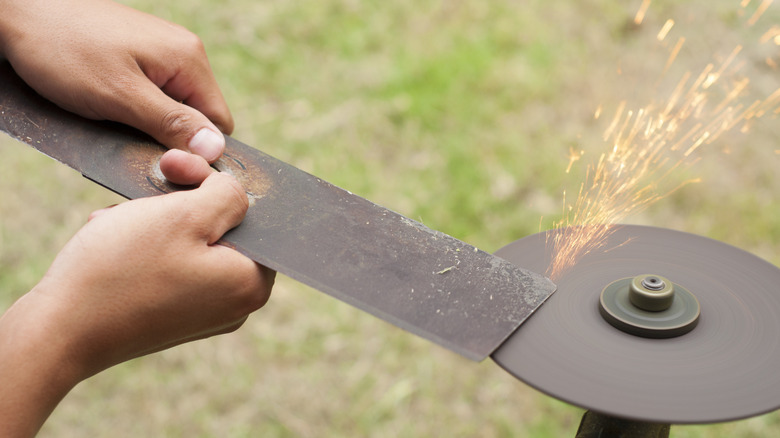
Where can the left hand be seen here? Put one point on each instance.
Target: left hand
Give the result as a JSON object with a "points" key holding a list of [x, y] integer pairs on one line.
{"points": [[149, 274], [140, 277]]}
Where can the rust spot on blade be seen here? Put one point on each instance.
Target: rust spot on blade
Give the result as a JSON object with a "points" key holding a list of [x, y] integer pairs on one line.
{"points": [[251, 176], [141, 164]]}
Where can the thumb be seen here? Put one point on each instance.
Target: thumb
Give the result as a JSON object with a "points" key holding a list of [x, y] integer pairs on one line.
{"points": [[222, 204], [182, 168], [174, 124]]}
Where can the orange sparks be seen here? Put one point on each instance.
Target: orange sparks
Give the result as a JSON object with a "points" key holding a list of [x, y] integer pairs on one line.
{"points": [[640, 14], [574, 156], [771, 35], [645, 146], [759, 11], [726, 63], [674, 53], [665, 30], [618, 116]]}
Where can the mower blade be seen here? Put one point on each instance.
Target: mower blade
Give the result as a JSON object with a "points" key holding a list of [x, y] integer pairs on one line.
{"points": [[397, 269]]}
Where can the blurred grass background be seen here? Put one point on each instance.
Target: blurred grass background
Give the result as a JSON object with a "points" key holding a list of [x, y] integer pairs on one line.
{"points": [[459, 114]]}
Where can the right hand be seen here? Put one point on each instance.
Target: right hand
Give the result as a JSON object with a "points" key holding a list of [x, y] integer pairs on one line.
{"points": [[149, 274], [104, 60]]}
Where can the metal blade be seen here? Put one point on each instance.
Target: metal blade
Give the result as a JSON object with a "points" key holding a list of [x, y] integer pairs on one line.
{"points": [[397, 269]]}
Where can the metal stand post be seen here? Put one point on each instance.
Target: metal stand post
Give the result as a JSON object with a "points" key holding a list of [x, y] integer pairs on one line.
{"points": [[594, 425]]}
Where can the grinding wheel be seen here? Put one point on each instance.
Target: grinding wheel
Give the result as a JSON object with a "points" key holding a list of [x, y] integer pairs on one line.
{"points": [[724, 369]]}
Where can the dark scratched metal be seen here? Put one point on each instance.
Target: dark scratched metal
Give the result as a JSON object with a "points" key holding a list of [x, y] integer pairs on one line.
{"points": [[724, 369], [419, 279], [595, 425]]}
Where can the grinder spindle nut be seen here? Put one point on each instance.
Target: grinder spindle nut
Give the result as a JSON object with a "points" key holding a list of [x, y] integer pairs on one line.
{"points": [[649, 306], [651, 293]]}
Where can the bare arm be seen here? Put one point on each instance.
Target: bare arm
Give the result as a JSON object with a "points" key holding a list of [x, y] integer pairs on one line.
{"points": [[143, 276]]}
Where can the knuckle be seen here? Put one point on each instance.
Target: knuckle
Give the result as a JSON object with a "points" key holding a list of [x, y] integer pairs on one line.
{"points": [[258, 290], [191, 45], [236, 193], [234, 326], [176, 123], [257, 300]]}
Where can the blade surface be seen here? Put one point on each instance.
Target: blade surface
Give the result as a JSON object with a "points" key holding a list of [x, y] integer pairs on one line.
{"points": [[397, 269]]}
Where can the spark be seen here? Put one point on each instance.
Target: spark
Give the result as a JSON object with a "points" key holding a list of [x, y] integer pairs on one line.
{"points": [[618, 116], [574, 156], [675, 52], [772, 34], [640, 14], [665, 30], [759, 11], [646, 145]]}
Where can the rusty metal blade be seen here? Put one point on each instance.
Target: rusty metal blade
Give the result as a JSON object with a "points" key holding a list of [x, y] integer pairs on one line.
{"points": [[397, 269]]}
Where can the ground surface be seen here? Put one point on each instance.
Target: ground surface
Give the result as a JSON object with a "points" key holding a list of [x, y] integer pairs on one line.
{"points": [[458, 114]]}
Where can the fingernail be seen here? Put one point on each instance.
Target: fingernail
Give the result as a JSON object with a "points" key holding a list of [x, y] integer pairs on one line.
{"points": [[208, 144]]}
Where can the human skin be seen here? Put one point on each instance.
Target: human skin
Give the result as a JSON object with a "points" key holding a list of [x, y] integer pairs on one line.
{"points": [[106, 61], [147, 274], [138, 278]]}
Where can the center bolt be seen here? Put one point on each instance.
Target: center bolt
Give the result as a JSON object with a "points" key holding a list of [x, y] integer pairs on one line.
{"points": [[651, 293]]}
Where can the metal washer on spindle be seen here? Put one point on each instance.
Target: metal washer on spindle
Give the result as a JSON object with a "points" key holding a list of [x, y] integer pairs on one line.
{"points": [[650, 306]]}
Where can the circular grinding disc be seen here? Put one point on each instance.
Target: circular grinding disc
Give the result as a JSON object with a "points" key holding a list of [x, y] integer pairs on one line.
{"points": [[724, 369]]}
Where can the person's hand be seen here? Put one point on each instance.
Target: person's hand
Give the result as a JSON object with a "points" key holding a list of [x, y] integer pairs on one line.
{"points": [[146, 275], [103, 60], [139, 277]]}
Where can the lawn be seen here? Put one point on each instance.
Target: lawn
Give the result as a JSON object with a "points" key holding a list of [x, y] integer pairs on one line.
{"points": [[458, 114]]}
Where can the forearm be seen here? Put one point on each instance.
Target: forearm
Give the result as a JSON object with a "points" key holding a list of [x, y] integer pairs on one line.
{"points": [[35, 369]]}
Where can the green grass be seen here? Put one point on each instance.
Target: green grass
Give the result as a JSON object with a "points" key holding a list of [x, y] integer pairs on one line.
{"points": [[459, 114]]}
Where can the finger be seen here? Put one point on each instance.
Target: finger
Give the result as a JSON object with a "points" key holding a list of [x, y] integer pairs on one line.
{"points": [[251, 290], [197, 87], [97, 213], [186, 76], [222, 204], [249, 283], [183, 168], [174, 124]]}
